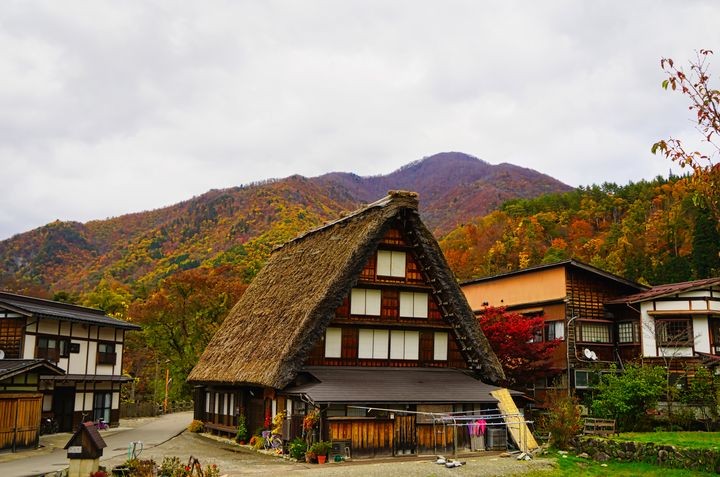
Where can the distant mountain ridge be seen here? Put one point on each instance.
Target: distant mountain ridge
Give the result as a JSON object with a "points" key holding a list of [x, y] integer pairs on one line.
{"points": [[240, 225]]}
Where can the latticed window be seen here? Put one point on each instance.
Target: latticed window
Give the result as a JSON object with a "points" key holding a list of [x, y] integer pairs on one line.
{"points": [[595, 332], [628, 332], [673, 332]]}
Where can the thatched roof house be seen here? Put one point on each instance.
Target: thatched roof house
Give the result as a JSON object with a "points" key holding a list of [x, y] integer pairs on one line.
{"points": [[268, 334], [369, 296]]}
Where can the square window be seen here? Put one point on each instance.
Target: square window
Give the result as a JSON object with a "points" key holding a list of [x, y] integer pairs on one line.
{"points": [[365, 302], [390, 263], [413, 305], [106, 353]]}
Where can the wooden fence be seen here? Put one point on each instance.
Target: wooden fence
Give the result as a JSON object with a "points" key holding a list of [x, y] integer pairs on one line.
{"points": [[19, 420]]}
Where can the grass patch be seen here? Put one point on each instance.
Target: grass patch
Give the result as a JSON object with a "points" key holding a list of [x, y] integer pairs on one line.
{"points": [[690, 440], [571, 466]]}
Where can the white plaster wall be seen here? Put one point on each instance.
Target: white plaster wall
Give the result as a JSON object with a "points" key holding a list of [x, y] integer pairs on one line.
{"points": [[715, 305], [65, 328], [107, 334], [77, 360], [80, 331], [116, 400], [92, 356], [64, 363], [29, 347], [647, 328], [48, 326], [47, 402], [684, 352], [118, 360], [701, 333], [672, 305]]}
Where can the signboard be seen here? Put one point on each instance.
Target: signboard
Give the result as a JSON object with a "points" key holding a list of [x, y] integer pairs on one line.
{"points": [[74, 450]]}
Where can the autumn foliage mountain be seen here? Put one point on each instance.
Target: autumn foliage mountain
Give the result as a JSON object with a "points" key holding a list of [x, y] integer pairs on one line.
{"points": [[239, 226]]}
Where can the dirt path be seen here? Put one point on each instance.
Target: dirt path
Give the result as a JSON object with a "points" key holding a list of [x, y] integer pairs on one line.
{"points": [[234, 460]]}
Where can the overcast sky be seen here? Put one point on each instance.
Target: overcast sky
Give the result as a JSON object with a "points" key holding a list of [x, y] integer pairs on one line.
{"points": [[115, 107]]}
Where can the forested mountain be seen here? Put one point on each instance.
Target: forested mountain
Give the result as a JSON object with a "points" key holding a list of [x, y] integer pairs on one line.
{"points": [[178, 270], [650, 231], [239, 226]]}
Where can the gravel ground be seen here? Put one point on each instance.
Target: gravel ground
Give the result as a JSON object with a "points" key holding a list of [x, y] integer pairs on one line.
{"points": [[234, 460]]}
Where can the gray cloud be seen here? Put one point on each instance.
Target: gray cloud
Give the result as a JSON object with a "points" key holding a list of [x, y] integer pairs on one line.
{"points": [[113, 107]]}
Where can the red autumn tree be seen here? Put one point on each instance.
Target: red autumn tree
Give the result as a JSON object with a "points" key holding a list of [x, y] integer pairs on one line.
{"points": [[512, 338]]}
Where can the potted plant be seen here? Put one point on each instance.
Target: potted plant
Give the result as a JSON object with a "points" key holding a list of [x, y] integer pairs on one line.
{"points": [[242, 432], [321, 449], [310, 456]]}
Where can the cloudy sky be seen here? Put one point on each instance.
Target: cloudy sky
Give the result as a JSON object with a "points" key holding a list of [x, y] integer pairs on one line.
{"points": [[116, 107]]}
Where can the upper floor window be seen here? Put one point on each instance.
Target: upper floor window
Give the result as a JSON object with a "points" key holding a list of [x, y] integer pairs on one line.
{"points": [[373, 344], [440, 346], [674, 332], [333, 342], [365, 302], [554, 330], [390, 263], [413, 305], [52, 348], [106, 353], [628, 332], [594, 332], [404, 344]]}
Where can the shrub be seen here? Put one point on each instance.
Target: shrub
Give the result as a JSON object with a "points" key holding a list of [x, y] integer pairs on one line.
{"points": [[297, 448], [196, 426], [628, 395], [257, 442], [321, 448], [563, 419], [242, 432]]}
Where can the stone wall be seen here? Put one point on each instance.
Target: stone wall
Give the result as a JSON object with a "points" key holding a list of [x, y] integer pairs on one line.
{"points": [[601, 449]]}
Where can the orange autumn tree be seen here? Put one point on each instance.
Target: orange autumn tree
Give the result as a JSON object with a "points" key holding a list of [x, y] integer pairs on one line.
{"points": [[512, 337], [704, 100]]}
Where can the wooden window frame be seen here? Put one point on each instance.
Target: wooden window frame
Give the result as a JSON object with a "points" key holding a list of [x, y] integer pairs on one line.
{"points": [[423, 314], [682, 332], [61, 348], [394, 268], [106, 357]]}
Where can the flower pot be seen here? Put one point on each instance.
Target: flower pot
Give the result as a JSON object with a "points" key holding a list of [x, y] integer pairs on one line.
{"points": [[322, 459]]}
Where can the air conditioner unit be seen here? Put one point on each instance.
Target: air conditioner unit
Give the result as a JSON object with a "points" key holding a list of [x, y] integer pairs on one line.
{"points": [[497, 438]]}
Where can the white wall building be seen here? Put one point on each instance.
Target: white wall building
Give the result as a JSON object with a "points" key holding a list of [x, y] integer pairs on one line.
{"points": [[84, 342]]}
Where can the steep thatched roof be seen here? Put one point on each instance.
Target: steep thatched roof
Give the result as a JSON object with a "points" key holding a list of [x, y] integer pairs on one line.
{"points": [[267, 336]]}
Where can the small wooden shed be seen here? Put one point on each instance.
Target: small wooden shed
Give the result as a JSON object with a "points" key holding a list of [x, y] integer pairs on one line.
{"points": [[21, 401]]}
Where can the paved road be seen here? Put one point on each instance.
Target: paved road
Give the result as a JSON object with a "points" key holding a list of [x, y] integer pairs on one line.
{"points": [[52, 457]]}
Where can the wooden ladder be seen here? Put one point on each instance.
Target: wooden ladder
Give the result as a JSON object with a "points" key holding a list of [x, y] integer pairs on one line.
{"points": [[516, 424]]}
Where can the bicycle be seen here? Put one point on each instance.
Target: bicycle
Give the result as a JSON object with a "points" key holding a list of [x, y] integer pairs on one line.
{"points": [[272, 441]]}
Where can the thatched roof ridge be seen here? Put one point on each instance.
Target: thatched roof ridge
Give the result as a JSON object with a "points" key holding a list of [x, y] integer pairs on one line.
{"points": [[269, 333]]}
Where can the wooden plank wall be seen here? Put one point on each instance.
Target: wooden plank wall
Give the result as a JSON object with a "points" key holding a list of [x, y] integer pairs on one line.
{"points": [[19, 420], [443, 438], [368, 437]]}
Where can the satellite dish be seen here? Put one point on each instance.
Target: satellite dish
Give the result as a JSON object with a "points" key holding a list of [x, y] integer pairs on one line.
{"points": [[2, 354], [594, 356], [590, 354]]}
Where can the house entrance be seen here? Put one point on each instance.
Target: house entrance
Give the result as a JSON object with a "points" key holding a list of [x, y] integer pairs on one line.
{"points": [[405, 435], [63, 407], [255, 413]]}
